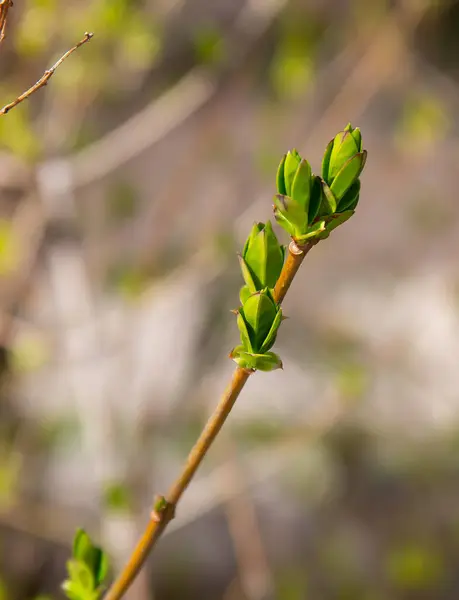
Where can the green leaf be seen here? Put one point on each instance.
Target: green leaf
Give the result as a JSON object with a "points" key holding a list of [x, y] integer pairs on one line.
{"points": [[242, 358], [316, 199], [292, 162], [292, 211], [344, 148], [87, 555], [301, 187], [82, 545], [80, 574], [256, 228], [328, 203], [271, 336], [313, 232], [102, 571], [267, 362], [326, 161], [247, 275], [73, 591], [348, 175], [275, 256], [280, 177], [262, 362], [339, 219], [356, 134], [284, 222], [244, 294], [351, 197], [243, 330]]}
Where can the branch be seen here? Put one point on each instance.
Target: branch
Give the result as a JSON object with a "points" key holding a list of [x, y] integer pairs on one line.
{"points": [[47, 74], [5, 5], [164, 508]]}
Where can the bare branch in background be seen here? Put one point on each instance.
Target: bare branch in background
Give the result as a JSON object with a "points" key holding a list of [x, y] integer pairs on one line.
{"points": [[46, 75], [5, 5]]}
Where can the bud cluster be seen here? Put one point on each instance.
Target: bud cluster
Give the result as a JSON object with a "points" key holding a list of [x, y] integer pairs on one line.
{"points": [[308, 207], [259, 316]]}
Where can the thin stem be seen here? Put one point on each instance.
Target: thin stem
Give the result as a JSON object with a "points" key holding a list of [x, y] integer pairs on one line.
{"points": [[46, 75], [5, 6], [164, 508], [295, 257]]}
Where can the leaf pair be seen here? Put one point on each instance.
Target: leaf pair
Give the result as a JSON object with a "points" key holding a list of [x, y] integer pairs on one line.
{"points": [[261, 260], [87, 569]]}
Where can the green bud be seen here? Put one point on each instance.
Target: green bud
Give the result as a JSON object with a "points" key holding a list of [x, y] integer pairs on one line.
{"points": [[344, 146], [259, 313], [300, 198], [262, 259], [258, 321], [92, 556], [294, 179], [287, 171], [307, 206], [348, 174]]}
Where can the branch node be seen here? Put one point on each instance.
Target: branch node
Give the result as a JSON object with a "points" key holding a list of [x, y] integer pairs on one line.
{"points": [[163, 511], [295, 249]]}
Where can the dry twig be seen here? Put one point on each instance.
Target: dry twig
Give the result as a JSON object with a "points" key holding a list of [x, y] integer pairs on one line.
{"points": [[46, 75], [5, 6]]}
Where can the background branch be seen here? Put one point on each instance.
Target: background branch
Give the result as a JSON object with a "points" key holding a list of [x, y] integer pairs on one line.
{"points": [[46, 75]]}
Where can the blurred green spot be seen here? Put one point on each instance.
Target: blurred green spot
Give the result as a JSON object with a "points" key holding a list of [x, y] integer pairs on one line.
{"points": [[292, 69], [208, 45], [338, 344], [428, 214], [123, 200], [291, 584], [10, 467], [224, 243], [60, 432], [117, 497], [352, 381], [415, 567], [424, 121], [141, 43], [3, 591], [16, 133], [29, 353], [34, 29], [9, 248], [129, 281], [260, 431]]}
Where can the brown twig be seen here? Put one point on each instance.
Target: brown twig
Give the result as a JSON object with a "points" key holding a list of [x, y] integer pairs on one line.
{"points": [[5, 6], [164, 507], [46, 75]]}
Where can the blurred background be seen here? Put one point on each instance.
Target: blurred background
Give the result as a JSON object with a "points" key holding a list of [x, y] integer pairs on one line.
{"points": [[127, 186]]}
